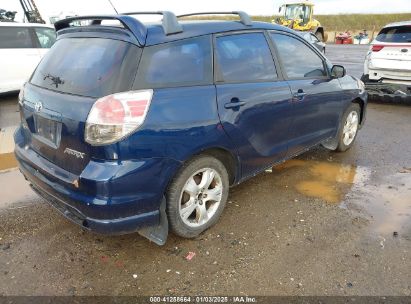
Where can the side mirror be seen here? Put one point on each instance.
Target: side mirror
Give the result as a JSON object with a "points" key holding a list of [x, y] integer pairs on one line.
{"points": [[338, 71], [279, 9]]}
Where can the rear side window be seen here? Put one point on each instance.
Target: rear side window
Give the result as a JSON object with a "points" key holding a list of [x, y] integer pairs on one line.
{"points": [[298, 59], [181, 63], [46, 37], [15, 38], [398, 34], [92, 67], [244, 58]]}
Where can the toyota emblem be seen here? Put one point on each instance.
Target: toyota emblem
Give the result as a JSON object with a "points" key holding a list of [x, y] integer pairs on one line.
{"points": [[38, 106]]}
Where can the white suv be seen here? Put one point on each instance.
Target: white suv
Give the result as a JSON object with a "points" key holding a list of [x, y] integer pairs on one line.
{"points": [[22, 45], [387, 68]]}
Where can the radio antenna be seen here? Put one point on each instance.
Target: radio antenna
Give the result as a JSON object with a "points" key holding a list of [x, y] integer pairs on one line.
{"points": [[113, 6]]}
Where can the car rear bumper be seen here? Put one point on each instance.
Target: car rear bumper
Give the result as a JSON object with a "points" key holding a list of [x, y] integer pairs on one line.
{"points": [[389, 91], [107, 197], [390, 76]]}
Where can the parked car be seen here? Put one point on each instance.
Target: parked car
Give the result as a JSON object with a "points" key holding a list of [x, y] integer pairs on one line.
{"points": [[387, 67], [22, 45], [146, 126], [312, 38]]}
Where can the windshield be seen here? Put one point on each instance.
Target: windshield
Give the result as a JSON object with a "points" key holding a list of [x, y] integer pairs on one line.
{"points": [[93, 67], [297, 11], [397, 34]]}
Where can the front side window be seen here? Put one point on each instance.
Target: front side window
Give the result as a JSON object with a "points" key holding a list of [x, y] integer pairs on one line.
{"points": [[15, 38], [298, 59], [46, 37], [181, 63], [297, 11], [244, 58]]}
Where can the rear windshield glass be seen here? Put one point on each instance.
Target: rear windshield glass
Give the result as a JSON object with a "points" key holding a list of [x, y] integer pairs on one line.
{"points": [[399, 34], [92, 67], [182, 63]]}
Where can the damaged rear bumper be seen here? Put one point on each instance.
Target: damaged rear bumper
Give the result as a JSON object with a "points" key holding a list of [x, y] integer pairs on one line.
{"points": [[389, 91]]}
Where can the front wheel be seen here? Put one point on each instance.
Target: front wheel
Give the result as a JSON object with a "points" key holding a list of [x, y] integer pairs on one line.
{"points": [[348, 130], [197, 196]]}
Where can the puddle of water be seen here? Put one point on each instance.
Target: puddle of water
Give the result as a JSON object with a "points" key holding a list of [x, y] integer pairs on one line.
{"points": [[333, 172], [7, 161], [16, 192], [320, 189], [388, 204], [324, 180]]}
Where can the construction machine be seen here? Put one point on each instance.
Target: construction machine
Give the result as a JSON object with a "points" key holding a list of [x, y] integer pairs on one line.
{"points": [[31, 12], [299, 16]]}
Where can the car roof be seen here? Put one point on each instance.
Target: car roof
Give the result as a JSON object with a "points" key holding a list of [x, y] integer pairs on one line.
{"points": [[21, 24], [171, 28], [401, 23], [155, 33]]}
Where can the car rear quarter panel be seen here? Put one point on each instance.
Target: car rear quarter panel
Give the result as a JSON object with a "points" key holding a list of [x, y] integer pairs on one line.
{"points": [[181, 122], [350, 93]]}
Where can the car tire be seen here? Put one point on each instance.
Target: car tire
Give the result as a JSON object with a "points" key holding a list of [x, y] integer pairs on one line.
{"points": [[190, 210], [348, 130]]}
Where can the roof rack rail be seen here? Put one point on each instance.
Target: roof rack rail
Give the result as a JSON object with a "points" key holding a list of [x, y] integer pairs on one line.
{"points": [[244, 17], [138, 30], [170, 22]]}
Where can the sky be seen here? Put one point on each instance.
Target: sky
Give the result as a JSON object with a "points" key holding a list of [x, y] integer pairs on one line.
{"points": [[254, 7]]}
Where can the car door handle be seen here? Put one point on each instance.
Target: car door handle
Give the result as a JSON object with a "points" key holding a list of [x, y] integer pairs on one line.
{"points": [[299, 95], [235, 103]]}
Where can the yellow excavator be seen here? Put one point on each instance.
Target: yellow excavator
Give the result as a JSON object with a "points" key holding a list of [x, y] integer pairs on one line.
{"points": [[299, 16]]}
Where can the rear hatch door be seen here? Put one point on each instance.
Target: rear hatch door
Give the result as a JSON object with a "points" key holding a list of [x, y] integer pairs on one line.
{"points": [[392, 48], [65, 85]]}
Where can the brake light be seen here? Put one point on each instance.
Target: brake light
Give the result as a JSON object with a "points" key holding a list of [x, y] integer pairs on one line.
{"points": [[377, 48], [116, 116]]}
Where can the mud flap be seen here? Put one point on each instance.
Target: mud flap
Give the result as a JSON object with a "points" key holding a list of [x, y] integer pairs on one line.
{"points": [[158, 234], [331, 143]]}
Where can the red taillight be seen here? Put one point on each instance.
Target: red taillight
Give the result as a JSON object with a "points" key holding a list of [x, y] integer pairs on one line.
{"points": [[377, 48], [110, 110], [137, 107], [116, 116]]}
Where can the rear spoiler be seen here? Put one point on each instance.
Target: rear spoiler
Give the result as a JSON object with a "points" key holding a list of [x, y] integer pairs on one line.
{"points": [[137, 29], [170, 23]]}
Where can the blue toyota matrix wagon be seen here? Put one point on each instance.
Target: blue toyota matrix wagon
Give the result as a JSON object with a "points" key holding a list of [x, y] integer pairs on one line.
{"points": [[128, 127]]}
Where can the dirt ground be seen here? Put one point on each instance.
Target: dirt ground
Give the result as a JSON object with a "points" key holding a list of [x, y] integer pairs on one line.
{"points": [[322, 224]]}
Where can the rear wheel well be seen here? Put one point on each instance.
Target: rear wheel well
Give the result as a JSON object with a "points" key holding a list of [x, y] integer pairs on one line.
{"points": [[360, 102], [226, 158]]}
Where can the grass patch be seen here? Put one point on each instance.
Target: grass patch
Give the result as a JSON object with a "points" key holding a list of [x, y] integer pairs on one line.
{"points": [[337, 23]]}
